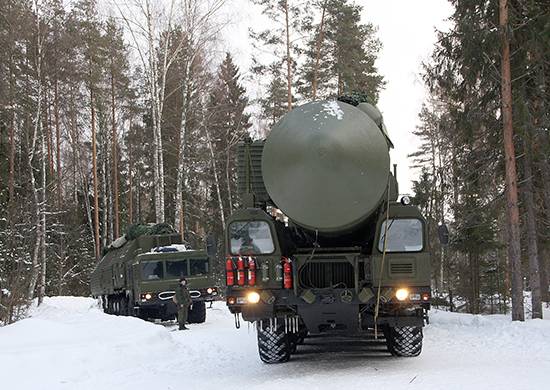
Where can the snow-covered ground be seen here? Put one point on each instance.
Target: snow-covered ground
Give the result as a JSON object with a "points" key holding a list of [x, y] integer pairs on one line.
{"points": [[68, 343]]}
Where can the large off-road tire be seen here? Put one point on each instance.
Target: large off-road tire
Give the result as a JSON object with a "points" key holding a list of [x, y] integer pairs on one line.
{"points": [[404, 341], [274, 345], [197, 313]]}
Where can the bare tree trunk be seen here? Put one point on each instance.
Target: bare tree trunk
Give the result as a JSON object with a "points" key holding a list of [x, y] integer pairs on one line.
{"points": [[48, 129], [42, 289], [62, 256], [94, 177], [106, 198], [474, 289], [532, 237], [106, 211], [79, 170], [130, 182], [138, 196], [288, 59], [514, 245], [58, 144], [158, 91], [318, 44], [544, 168], [11, 177], [543, 165], [114, 158], [216, 179], [35, 266], [181, 173]]}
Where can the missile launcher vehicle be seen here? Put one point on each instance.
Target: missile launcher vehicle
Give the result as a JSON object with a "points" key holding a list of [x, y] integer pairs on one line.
{"points": [[321, 244], [139, 273]]}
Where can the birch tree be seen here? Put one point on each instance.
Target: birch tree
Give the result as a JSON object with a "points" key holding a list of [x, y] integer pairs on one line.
{"points": [[198, 29], [152, 34], [39, 212]]}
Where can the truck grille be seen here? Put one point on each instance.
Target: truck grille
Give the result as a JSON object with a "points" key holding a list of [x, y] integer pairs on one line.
{"points": [[326, 274], [401, 268]]}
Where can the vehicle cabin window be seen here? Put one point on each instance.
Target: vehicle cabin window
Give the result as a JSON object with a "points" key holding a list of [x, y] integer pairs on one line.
{"points": [[152, 270], [176, 269], [404, 235], [251, 238], [198, 266]]}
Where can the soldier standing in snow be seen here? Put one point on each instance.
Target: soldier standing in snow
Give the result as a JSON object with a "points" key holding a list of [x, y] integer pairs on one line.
{"points": [[183, 301]]}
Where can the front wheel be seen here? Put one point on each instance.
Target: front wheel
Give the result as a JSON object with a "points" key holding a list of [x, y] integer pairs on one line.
{"points": [[274, 344], [197, 313], [404, 341]]}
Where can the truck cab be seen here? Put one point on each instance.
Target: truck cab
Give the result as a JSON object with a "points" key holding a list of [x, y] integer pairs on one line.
{"points": [[156, 277]]}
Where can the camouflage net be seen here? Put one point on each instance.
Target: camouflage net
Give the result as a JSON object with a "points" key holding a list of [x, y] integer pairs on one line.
{"points": [[354, 98], [136, 230]]}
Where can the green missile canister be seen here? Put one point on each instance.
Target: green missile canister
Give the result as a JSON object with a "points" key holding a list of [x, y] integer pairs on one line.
{"points": [[326, 165]]}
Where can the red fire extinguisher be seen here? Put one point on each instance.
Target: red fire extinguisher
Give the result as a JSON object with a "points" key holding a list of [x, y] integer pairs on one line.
{"points": [[251, 271], [229, 273], [287, 273], [240, 271]]}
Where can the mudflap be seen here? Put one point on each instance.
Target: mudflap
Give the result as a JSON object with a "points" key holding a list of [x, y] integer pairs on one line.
{"points": [[257, 312], [330, 318]]}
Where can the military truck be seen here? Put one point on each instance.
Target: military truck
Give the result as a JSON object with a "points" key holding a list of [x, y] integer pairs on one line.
{"points": [[323, 243], [138, 276]]}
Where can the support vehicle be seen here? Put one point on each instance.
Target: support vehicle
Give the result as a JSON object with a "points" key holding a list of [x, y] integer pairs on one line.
{"points": [[139, 277]]}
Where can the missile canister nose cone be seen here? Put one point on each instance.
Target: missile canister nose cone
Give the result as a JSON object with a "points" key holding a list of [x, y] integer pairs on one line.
{"points": [[326, 166]]}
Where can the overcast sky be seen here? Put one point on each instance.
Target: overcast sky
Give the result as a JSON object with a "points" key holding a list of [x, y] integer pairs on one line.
{"points": [[407, 31]]}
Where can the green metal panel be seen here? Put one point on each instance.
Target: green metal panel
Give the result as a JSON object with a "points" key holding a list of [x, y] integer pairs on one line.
{"points": [[249, 170], [326, 166]]}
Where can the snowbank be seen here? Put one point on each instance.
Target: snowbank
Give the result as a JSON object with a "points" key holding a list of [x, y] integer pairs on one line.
{"points": [[68, 343]]}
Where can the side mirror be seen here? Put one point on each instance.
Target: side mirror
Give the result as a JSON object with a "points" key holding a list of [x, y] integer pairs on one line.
{"points": [[443, 233]]}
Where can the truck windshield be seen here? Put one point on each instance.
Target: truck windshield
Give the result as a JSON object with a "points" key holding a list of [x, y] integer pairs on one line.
{"points": [[198, 266], [152, 270], [176, 269], [250, 238], [404, 235]]}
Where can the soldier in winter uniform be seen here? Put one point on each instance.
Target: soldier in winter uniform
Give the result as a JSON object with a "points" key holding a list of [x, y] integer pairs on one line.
{"points": [[183, 301]]}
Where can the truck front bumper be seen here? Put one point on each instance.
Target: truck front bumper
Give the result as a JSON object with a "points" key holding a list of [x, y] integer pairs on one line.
{"points": [[334, 309]]}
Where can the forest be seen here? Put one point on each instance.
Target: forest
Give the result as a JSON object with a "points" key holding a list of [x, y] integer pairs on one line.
{"points": [[113, 114]]}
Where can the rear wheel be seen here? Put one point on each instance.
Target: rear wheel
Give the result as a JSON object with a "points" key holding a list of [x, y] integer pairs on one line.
{"points": [[274, 345], [124, 306], [197, 313], [404, 341]]}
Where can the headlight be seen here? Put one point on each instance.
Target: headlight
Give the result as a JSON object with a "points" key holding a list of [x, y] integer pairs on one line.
{"points": [[148, 296], [209, 290], [402, 294], [253, 297]]}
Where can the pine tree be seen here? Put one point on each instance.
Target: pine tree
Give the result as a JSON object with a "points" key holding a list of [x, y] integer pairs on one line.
{"points": [[343, 61], [228, 124]]}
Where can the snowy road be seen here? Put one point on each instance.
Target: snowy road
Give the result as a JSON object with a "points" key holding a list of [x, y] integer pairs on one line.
{"points": [[69, 344]]}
